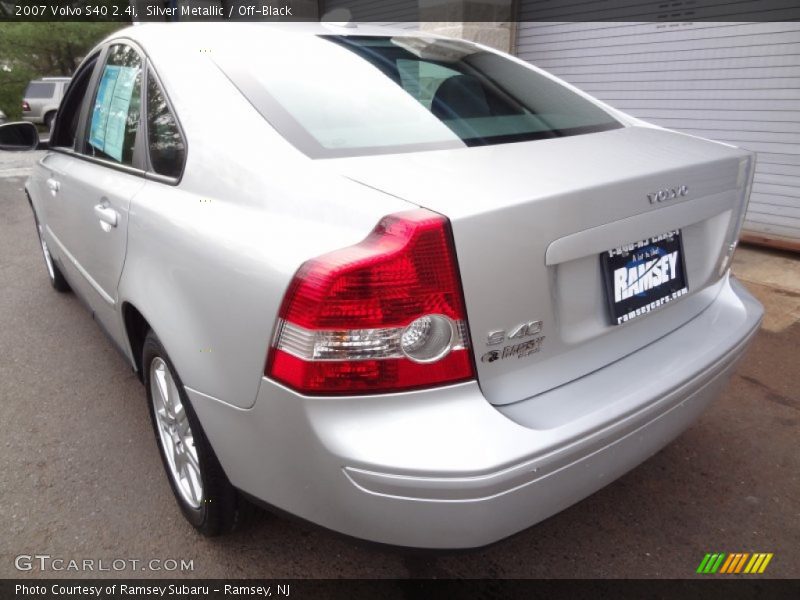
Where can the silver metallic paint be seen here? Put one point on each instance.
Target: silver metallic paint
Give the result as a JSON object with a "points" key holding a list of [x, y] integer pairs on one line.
{"points": [[444, 469]]}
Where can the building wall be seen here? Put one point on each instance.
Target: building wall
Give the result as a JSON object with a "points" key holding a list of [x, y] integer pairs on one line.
{"points": [[394, 13], [405, 14], [736, 82], [733, 82]]}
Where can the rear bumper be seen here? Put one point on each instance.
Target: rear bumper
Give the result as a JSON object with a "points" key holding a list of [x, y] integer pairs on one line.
{"points": [[32, 119], [445, 469]]}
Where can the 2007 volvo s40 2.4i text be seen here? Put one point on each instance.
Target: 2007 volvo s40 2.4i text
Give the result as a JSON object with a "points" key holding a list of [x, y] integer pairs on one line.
{"points": [[405, 287]]}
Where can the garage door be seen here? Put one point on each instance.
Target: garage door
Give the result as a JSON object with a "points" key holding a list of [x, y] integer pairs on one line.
{"points": [[728, 81]]}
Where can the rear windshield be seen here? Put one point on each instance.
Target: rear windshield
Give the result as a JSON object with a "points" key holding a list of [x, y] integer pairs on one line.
{"points": [[352, 95], [40, 90]]}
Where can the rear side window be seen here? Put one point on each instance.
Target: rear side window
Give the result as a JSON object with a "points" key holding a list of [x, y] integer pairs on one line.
{"points": [[351, 95], [167, 148], [117, 106], [39, 89]]}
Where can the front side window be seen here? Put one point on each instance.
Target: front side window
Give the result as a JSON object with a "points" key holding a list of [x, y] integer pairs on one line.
{"points": [[166, 145], [348, 95], [114, 120], [69, 112], [40, 90]]}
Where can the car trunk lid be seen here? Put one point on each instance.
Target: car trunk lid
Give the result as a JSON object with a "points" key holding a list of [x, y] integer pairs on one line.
{"points": [[530, 221]]}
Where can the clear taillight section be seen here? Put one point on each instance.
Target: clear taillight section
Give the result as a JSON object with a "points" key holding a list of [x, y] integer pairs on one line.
{"points": [[384, 315]]}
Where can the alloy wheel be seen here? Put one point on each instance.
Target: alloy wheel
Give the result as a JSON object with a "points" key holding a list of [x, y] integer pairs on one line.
{"points": [[48, 260], [175, 432]]}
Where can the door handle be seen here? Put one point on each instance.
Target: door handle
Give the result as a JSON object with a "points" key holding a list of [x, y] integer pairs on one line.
{"points": [[107, 215], [53, 185]]}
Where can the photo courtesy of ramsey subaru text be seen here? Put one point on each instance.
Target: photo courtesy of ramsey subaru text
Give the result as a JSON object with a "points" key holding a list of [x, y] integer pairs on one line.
{"points": [[402, 286]]}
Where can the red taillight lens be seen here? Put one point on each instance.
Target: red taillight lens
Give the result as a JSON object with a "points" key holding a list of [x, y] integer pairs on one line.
{"points": [[26, 107], [384, 315]]}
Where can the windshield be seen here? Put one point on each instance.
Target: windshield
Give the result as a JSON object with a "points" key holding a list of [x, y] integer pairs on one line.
{"points": [[355, 95]]}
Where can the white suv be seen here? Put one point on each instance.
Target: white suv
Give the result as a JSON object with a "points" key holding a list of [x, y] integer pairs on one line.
{"points": [[42, 97]]}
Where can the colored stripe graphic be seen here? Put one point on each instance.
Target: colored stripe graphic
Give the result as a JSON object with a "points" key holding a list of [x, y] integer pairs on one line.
{"points": [[703, 563], [711, 563], [727, 564], [732, 560], [758, 563], [764, 564], [741, 562], [718, 563], [734, 563]]}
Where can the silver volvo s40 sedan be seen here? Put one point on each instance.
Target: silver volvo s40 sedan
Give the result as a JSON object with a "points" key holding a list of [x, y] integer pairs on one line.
{"points": [[405, 287]]}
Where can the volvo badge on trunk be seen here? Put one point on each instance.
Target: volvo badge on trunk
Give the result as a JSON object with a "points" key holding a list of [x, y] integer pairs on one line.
{"points": [[668, 194]]}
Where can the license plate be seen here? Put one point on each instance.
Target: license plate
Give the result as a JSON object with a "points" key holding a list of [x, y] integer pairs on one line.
{"points": [[642, 276]]}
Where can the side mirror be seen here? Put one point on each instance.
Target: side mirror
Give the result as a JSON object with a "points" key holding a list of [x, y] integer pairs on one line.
{"points": [[19, 136]]}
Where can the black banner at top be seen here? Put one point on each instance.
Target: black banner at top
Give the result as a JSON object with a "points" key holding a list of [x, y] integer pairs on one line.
{"points": [[392, 11]]}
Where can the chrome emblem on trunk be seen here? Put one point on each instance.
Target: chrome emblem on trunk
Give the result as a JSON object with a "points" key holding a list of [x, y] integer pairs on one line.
{"points": [[514, 333], [668, 194]]}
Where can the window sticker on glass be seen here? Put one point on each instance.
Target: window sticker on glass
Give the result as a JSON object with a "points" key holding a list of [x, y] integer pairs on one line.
{"points": [[111, 107]]}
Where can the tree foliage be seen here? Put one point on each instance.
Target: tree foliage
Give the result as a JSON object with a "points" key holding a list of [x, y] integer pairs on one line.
{"points": [[31, 50]]}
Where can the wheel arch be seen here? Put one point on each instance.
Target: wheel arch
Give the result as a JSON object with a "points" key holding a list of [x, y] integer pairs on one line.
{"points": [[136, 328]]}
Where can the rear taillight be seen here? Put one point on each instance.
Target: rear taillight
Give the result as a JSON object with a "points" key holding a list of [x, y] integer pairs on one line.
{"points": [[735, 228], [26, 107], [384, 315]]}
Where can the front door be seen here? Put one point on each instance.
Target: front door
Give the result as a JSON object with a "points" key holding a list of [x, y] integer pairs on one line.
{"points": [[97, 184]]}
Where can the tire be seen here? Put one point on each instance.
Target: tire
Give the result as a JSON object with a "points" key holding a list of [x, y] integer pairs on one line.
{"points": [[213, 507], [48, 120], [57, 280]]}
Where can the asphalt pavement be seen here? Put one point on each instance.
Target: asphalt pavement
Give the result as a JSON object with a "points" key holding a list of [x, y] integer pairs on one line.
{"points": [[80, 477]]}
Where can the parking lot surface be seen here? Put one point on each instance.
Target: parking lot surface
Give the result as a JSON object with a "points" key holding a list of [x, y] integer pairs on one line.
{"points": [[80, 476]]}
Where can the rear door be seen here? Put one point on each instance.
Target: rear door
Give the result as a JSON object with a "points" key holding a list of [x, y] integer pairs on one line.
{"points": [[100, 179]]}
